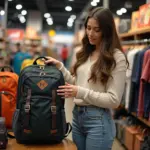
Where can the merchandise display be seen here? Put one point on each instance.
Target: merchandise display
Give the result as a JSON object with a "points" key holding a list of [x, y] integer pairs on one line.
{"points": [[34, 113], [28, 43], [8, 94], [135, 20], [136, 98], [38, 105], [144, 20]]}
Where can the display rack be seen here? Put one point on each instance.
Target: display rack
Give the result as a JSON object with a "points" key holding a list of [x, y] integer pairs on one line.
{"points": [[143, 41], [29, 42], [141, 36], [143, 33], [146, 122], [2, 38]]}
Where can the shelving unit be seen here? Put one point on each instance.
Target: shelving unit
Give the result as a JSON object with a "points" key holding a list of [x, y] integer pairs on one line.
{"points": [[29, 42], [4, 59], [143, 33], [139, 34], [146, 122]]}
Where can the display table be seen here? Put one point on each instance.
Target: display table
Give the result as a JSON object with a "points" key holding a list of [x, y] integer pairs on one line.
{"points": [[65, 145]]}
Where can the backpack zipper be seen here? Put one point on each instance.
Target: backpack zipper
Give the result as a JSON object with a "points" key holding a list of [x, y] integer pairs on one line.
{"points": [[37, 76]]}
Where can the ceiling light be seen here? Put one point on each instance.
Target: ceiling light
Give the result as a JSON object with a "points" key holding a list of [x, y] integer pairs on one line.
{"points": [[123, 10], [22, 19], [93, 3], [68, 8], [19, 6], [2, 12], [50, 23], [96, 1], [70, 20], [10, 0], [24, 12], [49, 19], [71, 0], [47, 15], [73, 16], [119, 12], [69, 24]]}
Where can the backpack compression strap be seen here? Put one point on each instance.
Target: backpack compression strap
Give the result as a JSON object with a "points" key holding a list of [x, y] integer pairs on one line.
{"points": [[53, 110], [27, 110]]}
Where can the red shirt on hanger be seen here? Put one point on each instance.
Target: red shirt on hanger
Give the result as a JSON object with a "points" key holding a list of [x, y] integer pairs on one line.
{"points": [[145, 74]]}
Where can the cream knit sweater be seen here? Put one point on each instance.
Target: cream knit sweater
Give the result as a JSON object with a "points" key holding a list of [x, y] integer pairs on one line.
{"points": [[95, 93]]}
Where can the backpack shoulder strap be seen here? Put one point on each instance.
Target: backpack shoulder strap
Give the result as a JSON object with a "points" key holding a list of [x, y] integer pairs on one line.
{"points": [[53, 110]]}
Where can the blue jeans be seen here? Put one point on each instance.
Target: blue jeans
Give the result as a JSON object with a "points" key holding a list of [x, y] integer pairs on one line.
{"points": [[93, 128]]}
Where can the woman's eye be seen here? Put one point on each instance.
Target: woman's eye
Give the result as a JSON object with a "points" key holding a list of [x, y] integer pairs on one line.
{"points": [[88, 28], [97, 30]]}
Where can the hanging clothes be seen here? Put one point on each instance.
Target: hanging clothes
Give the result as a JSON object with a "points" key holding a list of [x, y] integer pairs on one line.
{"points": [[142, 105], [135, 80]]}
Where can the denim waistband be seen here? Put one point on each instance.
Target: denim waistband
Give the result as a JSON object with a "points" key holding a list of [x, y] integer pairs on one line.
{"points": [[89, 107]]}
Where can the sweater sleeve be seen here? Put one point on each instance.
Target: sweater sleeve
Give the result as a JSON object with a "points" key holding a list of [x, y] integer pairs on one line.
{"points": [[67, 75], [114, 89]]}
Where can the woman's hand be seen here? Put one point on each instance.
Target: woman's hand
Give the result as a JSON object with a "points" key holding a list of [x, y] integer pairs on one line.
{"points": [[53, 61], [67, 91]]}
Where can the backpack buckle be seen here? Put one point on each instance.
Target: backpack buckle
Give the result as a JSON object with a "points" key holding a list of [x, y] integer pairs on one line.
{"points": [[42, 73], [42, 67], [27, 108], [53, 109]]}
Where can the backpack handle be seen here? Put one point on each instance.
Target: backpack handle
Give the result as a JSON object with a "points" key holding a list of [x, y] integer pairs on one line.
{"points": [[42, 57], [68, 129], [8, 67]]}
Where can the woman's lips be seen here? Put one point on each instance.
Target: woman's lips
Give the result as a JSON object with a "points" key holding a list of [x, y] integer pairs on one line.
{"points": [[91, 39]]}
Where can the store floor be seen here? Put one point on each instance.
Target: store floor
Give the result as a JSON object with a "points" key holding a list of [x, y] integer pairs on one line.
{"points": [[117, 146]]}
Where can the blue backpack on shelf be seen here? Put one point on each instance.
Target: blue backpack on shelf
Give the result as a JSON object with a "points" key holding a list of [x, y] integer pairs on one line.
{"points": [[18, 59]]}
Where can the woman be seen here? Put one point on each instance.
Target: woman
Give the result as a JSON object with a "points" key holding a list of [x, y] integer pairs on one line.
{"points": [[97, 82]]}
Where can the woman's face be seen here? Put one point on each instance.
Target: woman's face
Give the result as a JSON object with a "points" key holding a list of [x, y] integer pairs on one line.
{"points": [[93, 31]]}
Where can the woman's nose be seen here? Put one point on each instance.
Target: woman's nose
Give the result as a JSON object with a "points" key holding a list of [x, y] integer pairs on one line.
{"points": [[91, 33]]}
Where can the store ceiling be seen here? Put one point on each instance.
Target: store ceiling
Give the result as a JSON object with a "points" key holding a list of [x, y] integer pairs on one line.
{"points": [[57, 10]]}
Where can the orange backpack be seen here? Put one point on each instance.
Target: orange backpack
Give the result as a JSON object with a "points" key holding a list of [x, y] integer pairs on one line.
{"points": [[8, 94]]}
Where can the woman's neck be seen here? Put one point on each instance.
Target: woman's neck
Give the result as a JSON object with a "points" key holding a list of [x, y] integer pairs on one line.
{"points": [[97, 48]]}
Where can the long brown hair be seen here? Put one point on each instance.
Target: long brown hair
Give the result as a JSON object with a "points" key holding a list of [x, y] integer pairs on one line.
{"points": [[102, 68]]}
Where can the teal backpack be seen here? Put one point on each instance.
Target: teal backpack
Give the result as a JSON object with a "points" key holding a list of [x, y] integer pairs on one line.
{"points": [[40, 114], [18, 59]]}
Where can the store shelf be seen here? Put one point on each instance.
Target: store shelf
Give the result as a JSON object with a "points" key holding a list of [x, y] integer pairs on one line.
{"points": [[36, 38], [146, 122], [143, 120], [135, 32]]}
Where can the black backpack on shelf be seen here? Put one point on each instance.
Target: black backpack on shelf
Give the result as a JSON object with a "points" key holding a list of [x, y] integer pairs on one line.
{"points": [[40, 114]]}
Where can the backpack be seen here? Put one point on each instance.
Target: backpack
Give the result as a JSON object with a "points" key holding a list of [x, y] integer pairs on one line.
{"points": [[18, 59], [28, 62], [40, 114], [8, 94]]}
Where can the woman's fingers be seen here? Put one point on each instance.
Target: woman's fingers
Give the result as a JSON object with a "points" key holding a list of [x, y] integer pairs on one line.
{"points": [[65, 87], [65, 94], [65, 90], [67, 84], [49, 60]]}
